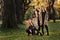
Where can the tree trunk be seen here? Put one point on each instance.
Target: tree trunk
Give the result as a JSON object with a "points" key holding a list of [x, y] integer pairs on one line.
{"points": [[9, 15], [20, 10]]}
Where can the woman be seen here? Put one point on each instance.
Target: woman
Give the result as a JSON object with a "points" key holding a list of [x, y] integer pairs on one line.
{"points": [[35, 19], [30, 28], [34, 16], [32, 22], [44, 19]]}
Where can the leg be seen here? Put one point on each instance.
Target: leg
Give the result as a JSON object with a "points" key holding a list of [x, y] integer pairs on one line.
{"points": [[43, 18], [47, 29], [33, 32], [43, 29], [38, 27], [38, 31], [28, 32]]}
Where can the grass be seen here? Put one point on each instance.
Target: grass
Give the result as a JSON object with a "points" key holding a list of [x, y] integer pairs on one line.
{"points": [[54, 30]]}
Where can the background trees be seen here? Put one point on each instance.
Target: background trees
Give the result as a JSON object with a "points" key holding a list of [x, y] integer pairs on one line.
{"points": [[13, 13], [51, 10], [20, 10], [9, 14]]}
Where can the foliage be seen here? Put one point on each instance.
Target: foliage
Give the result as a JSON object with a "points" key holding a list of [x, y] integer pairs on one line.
{"points": [[59, 2], [28, 13]]}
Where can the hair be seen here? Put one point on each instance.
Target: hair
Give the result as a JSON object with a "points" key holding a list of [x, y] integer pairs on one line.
{"points": [[44, 8]]}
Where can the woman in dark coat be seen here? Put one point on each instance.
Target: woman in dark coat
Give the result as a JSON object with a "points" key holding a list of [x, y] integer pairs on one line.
{"points": [[43, 17]]}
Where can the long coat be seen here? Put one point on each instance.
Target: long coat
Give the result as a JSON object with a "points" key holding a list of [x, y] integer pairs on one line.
{"points": [[46, 18], [34, 20]]}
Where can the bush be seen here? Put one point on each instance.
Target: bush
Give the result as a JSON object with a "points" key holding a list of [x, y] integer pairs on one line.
{"points": [[28, 13]]}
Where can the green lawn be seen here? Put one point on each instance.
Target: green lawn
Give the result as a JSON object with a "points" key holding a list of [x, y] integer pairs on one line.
{"points": [[54, 30]]}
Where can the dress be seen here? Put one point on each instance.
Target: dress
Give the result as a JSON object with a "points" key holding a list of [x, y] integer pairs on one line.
{"points": [[43, 18], [35, 22]]}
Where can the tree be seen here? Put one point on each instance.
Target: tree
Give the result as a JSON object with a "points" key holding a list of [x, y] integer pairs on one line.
{"points": [[26, 5], [20, 10], [51, 8], [9, 15]]}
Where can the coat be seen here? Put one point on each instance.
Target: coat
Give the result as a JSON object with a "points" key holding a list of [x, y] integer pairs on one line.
{"points": [[34, 19], [46, 18]]}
